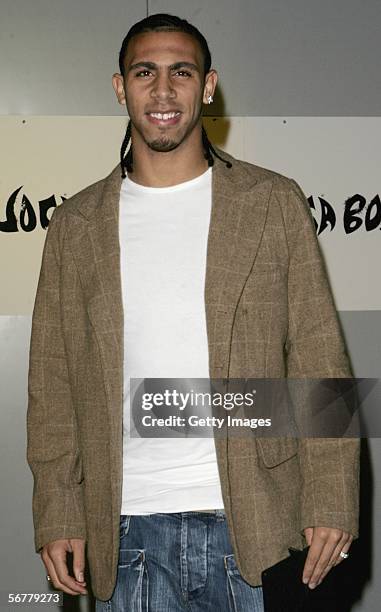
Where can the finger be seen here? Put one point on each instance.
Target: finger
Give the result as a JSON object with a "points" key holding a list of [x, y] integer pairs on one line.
{"points": [[314, 552], [333, 558], [345, 539], [54, 580], [58, 556], [78, 548], [343, 546], [325, 556], [64, 576], [318, 563]]}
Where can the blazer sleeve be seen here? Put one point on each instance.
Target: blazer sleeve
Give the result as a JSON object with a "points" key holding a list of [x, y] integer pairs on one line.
{"points": [[315, 348], [52, 446]]}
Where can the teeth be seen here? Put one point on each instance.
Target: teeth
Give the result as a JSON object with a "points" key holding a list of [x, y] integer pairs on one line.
{"points": [[164, 116]]}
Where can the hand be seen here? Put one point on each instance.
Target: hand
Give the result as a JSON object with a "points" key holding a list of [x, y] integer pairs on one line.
{"points": [[325, 545], [53, 556]]}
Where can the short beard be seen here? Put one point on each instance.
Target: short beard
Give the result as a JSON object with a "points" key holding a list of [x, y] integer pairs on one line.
{"points": [[162, 144]]}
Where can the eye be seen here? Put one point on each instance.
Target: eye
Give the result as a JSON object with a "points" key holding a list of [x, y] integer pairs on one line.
{"points": [[141, 72], [184, 72]]}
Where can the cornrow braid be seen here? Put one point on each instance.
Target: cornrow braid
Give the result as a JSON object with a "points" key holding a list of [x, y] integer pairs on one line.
{"points": [[126, 160], [209, 149]]}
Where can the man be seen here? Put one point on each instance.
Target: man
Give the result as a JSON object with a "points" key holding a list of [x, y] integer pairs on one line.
{"points": [[190, 264]]}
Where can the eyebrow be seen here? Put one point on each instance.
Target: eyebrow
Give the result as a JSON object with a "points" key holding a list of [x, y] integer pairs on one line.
{"points": [[153, 66]]}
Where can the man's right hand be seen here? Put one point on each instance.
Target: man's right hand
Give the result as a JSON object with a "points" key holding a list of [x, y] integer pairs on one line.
{"points": [[54, 555]]}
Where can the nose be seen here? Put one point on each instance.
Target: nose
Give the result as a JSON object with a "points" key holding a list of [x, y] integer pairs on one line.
{"points": [[162, 88]]}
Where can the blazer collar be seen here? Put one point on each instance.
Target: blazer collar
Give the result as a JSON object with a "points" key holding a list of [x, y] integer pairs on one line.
{"points": [[228, 181]]}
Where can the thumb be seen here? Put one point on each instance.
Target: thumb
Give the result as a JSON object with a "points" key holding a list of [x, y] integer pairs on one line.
{"points": [[78, 546]]}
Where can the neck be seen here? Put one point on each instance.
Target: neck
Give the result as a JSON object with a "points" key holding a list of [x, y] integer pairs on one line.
{"points": [[164, 169]]}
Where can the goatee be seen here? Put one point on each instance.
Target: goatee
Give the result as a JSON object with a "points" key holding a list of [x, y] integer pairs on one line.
{"points": [[163, 144]]}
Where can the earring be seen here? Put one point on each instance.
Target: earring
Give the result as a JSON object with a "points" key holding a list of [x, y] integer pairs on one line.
{"points": [[210, 99]]}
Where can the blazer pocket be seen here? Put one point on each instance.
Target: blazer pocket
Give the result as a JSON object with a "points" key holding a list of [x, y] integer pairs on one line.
{"points": [[275, 451]]}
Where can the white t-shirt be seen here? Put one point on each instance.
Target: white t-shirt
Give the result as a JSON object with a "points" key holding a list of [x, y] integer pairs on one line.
{"points": [[163, 235]]}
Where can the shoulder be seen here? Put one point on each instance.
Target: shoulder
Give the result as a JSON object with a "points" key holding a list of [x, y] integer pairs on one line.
{"points": [[88, 196], [258, 174], [84, 202], [286, 197]]}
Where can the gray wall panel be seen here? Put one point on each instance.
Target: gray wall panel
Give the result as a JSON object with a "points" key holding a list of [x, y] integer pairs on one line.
{"points": [[57, 58], [362, 330], [294, 58]]}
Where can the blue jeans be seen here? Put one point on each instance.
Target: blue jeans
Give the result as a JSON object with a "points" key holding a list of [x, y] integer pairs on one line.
{"points": [[172, 562]]}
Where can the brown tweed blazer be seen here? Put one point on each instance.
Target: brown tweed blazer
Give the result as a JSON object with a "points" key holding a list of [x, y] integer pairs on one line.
{"points": [[269, 313]]}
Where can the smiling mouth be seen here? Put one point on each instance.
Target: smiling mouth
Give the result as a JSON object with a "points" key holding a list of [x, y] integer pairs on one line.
{"points": [[164, 118]]}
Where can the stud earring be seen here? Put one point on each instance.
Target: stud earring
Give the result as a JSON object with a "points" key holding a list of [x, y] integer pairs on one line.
{"points": [[210, 99]]}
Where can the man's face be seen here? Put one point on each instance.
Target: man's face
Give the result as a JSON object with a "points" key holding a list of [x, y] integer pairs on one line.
{"points": [[164, 74]]}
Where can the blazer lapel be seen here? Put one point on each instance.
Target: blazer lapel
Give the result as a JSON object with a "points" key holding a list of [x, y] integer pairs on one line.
{"points": [[239, 208], [95, 244]]}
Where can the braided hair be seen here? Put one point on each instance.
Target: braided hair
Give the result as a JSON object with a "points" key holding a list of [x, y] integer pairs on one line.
{"points": [[167, 23]]}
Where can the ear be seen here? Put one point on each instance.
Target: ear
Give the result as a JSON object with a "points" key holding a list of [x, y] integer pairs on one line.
{"points": [[118, 86], [211, 79]]}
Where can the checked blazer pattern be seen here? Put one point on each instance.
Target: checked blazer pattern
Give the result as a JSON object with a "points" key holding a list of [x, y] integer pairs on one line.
{"points": [[269, 313]]}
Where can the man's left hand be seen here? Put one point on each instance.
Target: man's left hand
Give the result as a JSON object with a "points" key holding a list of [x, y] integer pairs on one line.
{"points": [[325, 544]]}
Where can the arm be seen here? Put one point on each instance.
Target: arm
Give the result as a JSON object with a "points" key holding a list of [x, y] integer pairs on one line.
{"points": [[52, 446], [315, 349]]}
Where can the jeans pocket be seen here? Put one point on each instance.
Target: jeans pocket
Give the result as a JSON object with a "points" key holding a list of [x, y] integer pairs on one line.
{"points": [[131, 557], [241, 595], [132, 580]]}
